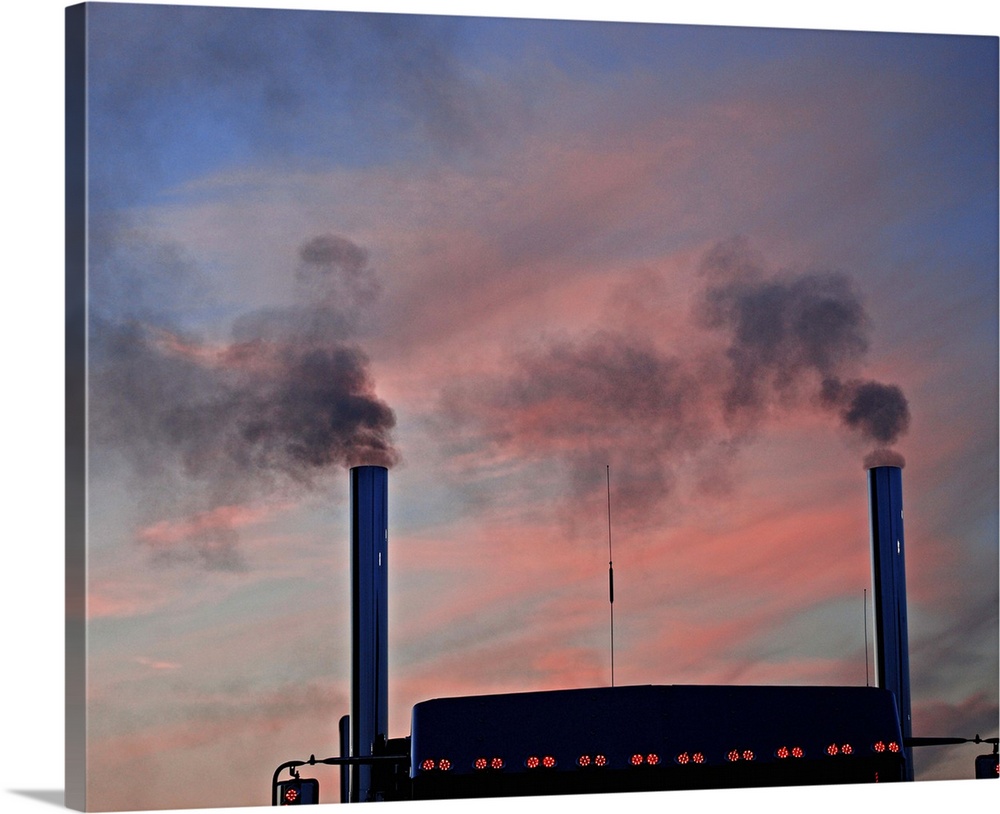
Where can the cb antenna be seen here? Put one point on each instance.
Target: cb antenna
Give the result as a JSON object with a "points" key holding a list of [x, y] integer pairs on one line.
{"points": [[611, 581], [867, 681]]}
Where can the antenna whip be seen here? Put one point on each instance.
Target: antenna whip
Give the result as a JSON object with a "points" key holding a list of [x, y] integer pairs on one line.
{"points": [[867, 684], [611, 581]]}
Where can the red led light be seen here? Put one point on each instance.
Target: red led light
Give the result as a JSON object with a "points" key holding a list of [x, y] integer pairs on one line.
{"points": [[783, 752], [533, 762], [428, 764], [652, 758], [847, 749], [444, 764], [697, 757], [480, 763], [733, 756], [548, 761], [832, 749], [797, 751], [893, 746], [683, 758], [496, 763], [636, 760], [600, 760], [748, 755], [291, 795], [878, 746], [583, 760]]}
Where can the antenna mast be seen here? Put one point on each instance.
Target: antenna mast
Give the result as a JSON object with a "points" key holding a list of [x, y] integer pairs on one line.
{"points": [[867, 681], [611, 581]]}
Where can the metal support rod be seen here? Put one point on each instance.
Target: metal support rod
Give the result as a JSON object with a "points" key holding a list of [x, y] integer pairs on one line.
{"points": [[948, 741], [368, 760]]}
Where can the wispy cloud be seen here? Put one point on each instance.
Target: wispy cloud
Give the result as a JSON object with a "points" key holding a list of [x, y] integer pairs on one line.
{"points": [[155, 664], [209, 536]]}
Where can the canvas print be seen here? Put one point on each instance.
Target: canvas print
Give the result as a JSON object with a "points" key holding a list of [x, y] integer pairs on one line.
{"points": [[466, 407]]}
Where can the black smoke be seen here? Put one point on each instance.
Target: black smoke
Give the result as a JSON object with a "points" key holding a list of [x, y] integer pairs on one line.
{"points": [[763, 346], [793, 335], [285, 400], [605, 395], [878, 412]]}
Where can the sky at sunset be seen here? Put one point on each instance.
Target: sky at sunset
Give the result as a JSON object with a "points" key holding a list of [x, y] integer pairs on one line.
{"points": [[500, 256]]}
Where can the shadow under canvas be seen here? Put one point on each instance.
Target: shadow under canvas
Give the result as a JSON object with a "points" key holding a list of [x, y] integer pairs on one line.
{"points": [[55, 797]]}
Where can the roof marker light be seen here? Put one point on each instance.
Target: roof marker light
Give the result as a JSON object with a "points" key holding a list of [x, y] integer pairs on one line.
{"points": [[878, 746], [652, 758], [847, 749], [893, 746], [583, 760], [428, 764], [533, 762], [697, 757], [733, 756], [548, 761], [496, 763], [683, 758], [832, 749], [783, 752], [600, 760], [748, 755], [480, 763], [636, 760], [444, 764], [797, 751]]}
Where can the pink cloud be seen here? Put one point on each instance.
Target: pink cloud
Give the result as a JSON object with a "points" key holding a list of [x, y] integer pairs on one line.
{"points": [[167, 532], [115, 599], [155, 664], [255, 355]]}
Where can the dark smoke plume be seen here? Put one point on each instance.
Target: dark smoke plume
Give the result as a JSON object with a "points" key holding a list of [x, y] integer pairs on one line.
{"points": [[792, 335], [788, 342], [287, 400], [878, 412], [599, 397], [781, 330]]}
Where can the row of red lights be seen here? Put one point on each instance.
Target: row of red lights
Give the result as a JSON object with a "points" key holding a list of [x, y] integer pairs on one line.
{"points": [[653, 759]]}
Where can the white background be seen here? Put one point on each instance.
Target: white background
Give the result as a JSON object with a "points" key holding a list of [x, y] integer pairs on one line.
{"points": [[31, 298]]}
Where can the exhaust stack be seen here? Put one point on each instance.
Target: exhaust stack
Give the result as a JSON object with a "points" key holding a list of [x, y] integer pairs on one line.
{"points": [[892, 661], [369, 619]]}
